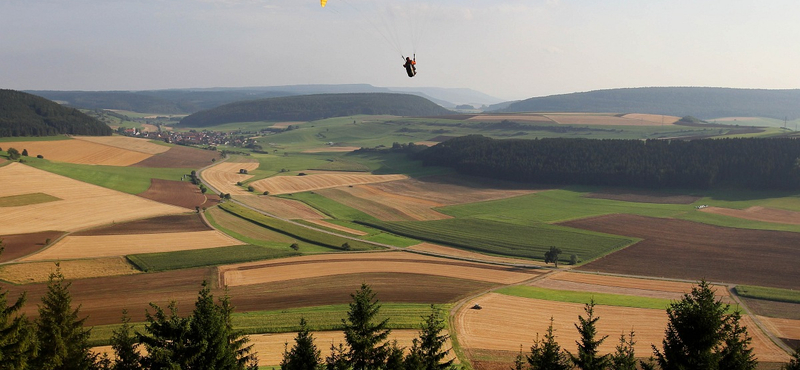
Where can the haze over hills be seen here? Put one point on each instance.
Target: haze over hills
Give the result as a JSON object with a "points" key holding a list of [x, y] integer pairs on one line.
{"points": [[23, 114], [700, 102], [314, 107]]}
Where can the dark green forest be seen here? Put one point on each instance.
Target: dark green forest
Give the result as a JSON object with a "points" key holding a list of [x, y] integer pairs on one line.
{"points": [[758, 164], [314, 107], [23, 114], [701, 102]]}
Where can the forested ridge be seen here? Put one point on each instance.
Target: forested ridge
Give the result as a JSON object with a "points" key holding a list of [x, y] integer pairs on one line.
{"points": [[23, 114], [701, 102], [739, 163], [314, 107]]}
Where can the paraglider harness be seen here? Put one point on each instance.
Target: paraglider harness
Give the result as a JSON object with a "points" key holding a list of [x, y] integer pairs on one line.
{"points": [[410, 66]]}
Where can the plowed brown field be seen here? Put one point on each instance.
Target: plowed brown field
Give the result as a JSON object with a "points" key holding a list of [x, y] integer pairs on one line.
{"points": [[286, 208], [128, 143], [506, 322], [19, 245], [384, 205], [453, 189], [764, 214], [388, 262], [77, 247], [36, 272], [80, 152], [297, 184], [180, 157], [179, 193], [155, 225], [224, 176], [693, 251], [82, 206]]}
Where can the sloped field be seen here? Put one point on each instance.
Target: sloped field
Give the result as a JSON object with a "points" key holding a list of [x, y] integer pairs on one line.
{"points": [[179, 193], [285, 208], [224, 176], [758, 213], [383, 205], [128, 143], [297, 184], [80, 152], [37, 272]]}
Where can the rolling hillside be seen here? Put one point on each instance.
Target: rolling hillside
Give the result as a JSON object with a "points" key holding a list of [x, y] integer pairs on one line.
{"points": [[701, 102], [23, 114], [313, 107]]}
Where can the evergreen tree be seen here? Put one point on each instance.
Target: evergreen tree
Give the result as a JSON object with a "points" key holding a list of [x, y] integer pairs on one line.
{"points": [[304, 354], [546, 354], [429, 346], [519, 361], [737, 353], [63, 342], [125, 346], [166, 339], [17, 340], [624, 358], [794, 363], [587, 357], [337, 359], [366, 339], [395, 359]]}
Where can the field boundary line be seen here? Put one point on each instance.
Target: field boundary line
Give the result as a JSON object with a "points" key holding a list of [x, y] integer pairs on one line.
{"points": [[778, 342]]}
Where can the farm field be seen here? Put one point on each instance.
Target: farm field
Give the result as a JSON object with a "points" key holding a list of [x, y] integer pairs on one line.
{"points": [[81, 152], [281, 207], [37, 272], [464, 254], [179, 156], [296, 184], [386, 262], [506, 322], [332, 149], [245, 229], [179, 193], [19, 245], [680, 249], [329, 225], [128, 143], [453, 189], [79, 208], [155, 225], [77, 247], [605, 120], [643, 196], [26, 199], [758, 214], [183, 259], [787, 330], [224, 176], [383, 205]]}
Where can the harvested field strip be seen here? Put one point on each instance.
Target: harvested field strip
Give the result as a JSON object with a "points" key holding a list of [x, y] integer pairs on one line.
{"points": [[281, 207], [511, 117], [681, 249], [76, 247], [758, 213], [333, 149], [165, 261], [19, 245], [604, 299], [379, 262], [460, 253], [224, 176], [82, 206], [297, 184], [180, 157], [641, 287], [155, 225], [506, 239], [37, 272], [782, 328], [342, 165], [453, 189], [506, 322], [124, 142], [244, 227], [26, 199], [638, 196], [179, 193], [600, 119], [80, 152], [385, 206], [294, 230], [337, 227], [329, 207], [654, 118], [769, 294]]}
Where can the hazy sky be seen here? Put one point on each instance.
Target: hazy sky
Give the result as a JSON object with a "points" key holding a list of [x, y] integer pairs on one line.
{"points": [[511, 49]]}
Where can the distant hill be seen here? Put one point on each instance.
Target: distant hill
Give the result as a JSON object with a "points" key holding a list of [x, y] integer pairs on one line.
{"points": [[314, 107], [700, 102], [23, 114]]}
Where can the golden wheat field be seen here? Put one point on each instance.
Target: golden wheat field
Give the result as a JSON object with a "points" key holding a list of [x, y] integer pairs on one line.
{"points": [[506, 322], [75, 247], [782, 328], [460, 253], [224, 176], [36, 272], [297, 184], [599, 119], [125, 142], [758, 213], [80, 152], [329, 225], [81, 206], [653, 118], [355, 263], [285, 208], [386, 206]]}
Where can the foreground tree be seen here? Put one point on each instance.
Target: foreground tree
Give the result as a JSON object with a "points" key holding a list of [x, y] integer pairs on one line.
{"points": [[427, 351], [701, 335], [304, 355], [624, 357], [365, 338], [17, 340], [63, 342], [546, 354], [125, 346], [587, 357], [794, 363]]}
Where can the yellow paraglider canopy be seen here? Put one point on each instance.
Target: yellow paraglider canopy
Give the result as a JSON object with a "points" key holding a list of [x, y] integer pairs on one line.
{"points": [[323, 2]]}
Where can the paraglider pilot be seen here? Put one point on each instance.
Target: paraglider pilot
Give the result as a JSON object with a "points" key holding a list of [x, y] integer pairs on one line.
{"points": [[410, 66]]}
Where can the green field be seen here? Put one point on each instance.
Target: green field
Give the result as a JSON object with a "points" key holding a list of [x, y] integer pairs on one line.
{"points": [[163, 261], [296, 231], [32, 138], [329, 207], [570, 296], [530, 241], [131, 180], [769, 294], [26, 199]]}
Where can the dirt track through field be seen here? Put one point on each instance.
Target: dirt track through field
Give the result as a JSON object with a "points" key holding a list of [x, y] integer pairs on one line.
{"points": [[82, 206], [386, 262], [285, 208], [298, 184], [506, 322], [757, 213]]}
